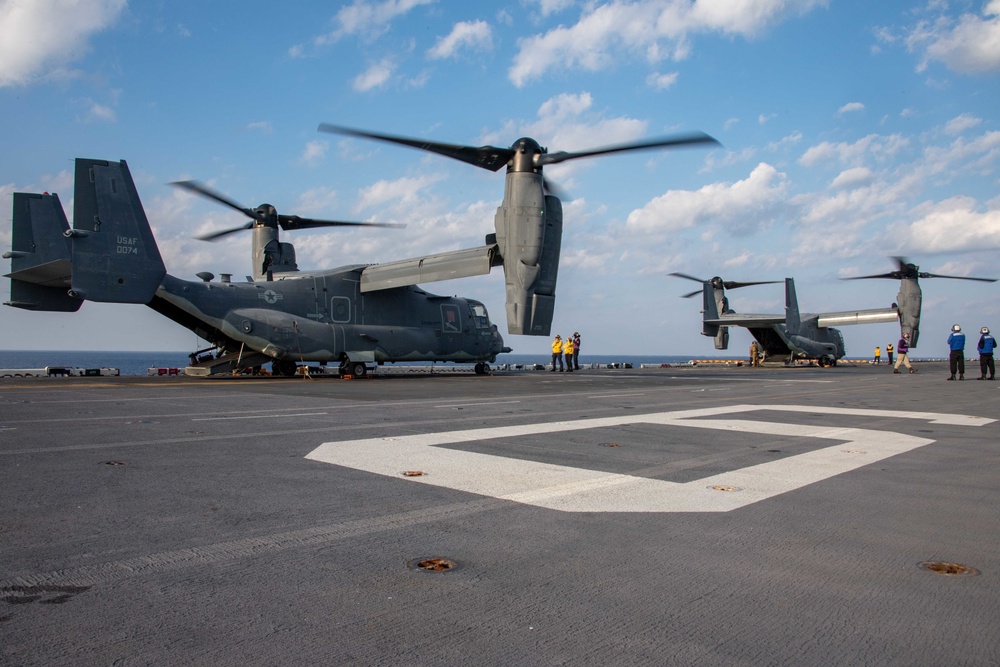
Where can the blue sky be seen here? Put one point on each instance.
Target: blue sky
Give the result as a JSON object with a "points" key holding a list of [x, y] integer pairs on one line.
{"points": [[851, 130]]}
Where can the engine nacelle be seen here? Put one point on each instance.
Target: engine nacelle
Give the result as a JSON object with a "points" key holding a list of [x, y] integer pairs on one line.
{"points": [[529, 236], [908, 301]]}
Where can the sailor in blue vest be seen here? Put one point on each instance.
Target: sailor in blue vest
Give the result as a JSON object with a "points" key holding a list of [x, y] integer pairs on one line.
{"points": [[956, 360], [987, 344]]}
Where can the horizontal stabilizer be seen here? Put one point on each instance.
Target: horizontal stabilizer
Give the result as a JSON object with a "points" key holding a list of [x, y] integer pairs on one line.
{"points": [[432, 268], [115, 258], [40, 255]]}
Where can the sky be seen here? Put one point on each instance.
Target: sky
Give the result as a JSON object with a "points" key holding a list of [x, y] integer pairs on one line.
{"points": [[851, 131]]}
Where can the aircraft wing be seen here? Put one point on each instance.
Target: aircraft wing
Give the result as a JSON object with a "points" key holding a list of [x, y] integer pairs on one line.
{"points": [[746, 320], [873, 316], [432, 268]]}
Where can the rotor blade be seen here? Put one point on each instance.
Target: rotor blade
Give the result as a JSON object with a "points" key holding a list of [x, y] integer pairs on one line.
{"points": [[732, 284], [937, 275], [215, 236], [198, 188], [690, 294], [553, 189], [684, 275], [664, 142], [292, 222], [892, 274], [486, 157]]}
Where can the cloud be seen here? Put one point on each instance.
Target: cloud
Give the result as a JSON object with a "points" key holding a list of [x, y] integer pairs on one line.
{"points": [[375, 76], [661, 81], [850, 107], [469, 33], [873, 145], [38, 37], [314, 153], [367, 19], [952, 225], [262, 126], [750, 203], [405, 191], [316, 201], [962, 123], [650, 29], [99, 113], [969, 44], [852, 178]]}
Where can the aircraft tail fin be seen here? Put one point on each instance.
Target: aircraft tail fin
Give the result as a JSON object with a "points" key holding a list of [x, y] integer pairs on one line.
{"points": [[792, 318], [40, 257], [114, 254]]}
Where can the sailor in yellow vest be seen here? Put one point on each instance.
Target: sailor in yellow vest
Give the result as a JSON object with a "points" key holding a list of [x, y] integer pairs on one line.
{"points": [[557, 346], [878, 356], [568, 351], [888, 352]]}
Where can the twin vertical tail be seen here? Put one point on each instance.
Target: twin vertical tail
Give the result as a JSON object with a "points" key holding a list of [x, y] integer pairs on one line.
{"points": [[40, 255], [792, 318], [109, 255]]}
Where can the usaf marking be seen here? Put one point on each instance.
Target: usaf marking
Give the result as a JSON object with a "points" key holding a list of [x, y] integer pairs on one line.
{"points": [[579, 490]]}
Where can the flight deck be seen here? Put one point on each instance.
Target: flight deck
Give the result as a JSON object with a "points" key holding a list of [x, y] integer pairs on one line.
{"points": [[675, 516]]}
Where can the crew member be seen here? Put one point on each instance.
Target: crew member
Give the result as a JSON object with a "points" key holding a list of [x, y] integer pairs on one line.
{"points": [[557, 346], [904, 354], [986, 346], [753, 354], [568, 351], [956, 360], [878, 356], [888, 353], [576, 350]]}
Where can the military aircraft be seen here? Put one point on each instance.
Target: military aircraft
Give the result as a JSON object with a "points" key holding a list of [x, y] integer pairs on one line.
{"points": [[910, 296], [528, 222], [788, 336], [280, 315]]}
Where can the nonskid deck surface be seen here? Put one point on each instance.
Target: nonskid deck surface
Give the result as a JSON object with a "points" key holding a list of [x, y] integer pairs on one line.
{"points": [[670, 516]]}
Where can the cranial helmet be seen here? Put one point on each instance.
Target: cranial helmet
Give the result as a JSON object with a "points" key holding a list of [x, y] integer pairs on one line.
{"points": [[984, 330], [906, 335], [955, 327]]}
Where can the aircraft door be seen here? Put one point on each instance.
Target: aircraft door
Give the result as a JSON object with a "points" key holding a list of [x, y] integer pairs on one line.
{"points": [[321, 313]]}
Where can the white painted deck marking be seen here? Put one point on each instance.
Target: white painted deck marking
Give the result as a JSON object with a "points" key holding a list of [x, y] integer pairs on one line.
{"points": [[242, 417], [579, 490]]}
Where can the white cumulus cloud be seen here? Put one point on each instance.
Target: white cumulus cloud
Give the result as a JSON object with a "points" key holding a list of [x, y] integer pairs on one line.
{"points": [[38, 37]]}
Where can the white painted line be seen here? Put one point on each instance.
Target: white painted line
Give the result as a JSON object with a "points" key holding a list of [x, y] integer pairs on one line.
{"points": [[578, 490], [480, 404], [299, 414]]}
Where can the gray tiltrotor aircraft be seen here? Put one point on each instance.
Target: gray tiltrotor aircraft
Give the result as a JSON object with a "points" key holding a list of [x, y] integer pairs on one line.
{"points": [[528, 223], [909, 297], [280, 315], [789, 336]]}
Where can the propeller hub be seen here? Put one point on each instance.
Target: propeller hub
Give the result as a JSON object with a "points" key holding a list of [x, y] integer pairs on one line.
{"points": [[525, 158]]}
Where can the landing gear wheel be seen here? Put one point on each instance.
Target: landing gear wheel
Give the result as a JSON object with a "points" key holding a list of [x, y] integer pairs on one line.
{"points": [[482, 368], [826, 361], [284, 367], [354, 368]]}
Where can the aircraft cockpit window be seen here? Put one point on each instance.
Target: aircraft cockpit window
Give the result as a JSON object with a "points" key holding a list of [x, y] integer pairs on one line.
{"points": [[480, 317]]}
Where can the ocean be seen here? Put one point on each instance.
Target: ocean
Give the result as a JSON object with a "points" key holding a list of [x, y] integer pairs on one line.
{"points": [[137, 363]]}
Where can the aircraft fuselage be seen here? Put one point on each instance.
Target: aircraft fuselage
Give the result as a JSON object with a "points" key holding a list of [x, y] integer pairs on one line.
{"points": [[323, 316]]}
